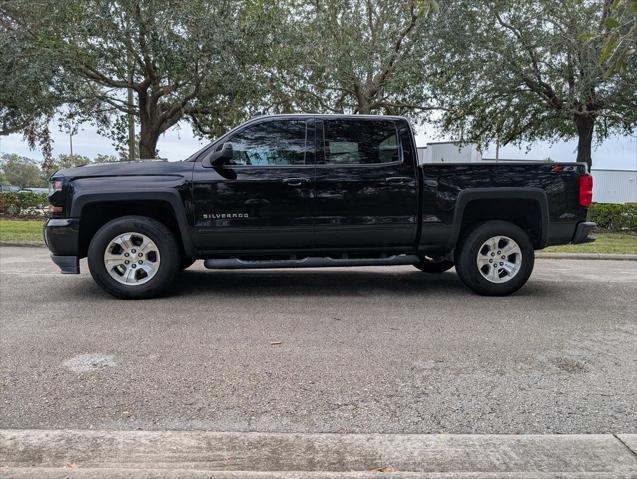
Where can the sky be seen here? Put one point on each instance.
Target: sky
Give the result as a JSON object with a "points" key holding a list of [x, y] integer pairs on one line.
{"points": [[616, 153]]}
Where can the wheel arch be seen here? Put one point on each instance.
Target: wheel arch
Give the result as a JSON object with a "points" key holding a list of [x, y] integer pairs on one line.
{"points": [[525, 207], [95, 210]]}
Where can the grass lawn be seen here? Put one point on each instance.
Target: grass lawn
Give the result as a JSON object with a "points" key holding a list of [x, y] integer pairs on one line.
{"points": [[624, 243], [21, 230]]}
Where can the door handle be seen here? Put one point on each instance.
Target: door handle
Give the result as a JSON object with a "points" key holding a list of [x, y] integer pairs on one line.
{"points": [[295, 181], [398, 180]]}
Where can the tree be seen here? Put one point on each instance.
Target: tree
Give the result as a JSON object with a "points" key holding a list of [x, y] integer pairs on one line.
{"points": [[510, 71], [360, 56], [29, 94], [619, 36], [183, 59], [21, 171], [101, 158], [71, 161]]}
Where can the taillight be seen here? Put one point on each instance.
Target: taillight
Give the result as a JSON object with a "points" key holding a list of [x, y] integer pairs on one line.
{"points": [[585, 190]]}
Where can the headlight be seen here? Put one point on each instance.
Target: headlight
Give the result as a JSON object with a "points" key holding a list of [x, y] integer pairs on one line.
{"points": [[55, 184]]}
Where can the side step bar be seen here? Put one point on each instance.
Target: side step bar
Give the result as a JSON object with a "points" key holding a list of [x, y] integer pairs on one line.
{"points": [[310, 262]]}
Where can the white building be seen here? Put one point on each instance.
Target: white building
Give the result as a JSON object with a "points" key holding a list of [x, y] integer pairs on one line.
{"points": [[614, 186], [448, 152]]}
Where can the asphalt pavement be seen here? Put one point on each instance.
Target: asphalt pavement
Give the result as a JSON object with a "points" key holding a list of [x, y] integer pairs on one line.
{"points": [[363, 350]]}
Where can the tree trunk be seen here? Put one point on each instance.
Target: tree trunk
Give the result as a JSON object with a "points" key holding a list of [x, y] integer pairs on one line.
{"points": [[363, 107], [148, 143], [148, 128], [585, 125], [131, 126], [362, 101]]}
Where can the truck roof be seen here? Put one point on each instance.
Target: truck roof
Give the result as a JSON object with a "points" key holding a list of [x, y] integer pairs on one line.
{"points": [[329, 115]]}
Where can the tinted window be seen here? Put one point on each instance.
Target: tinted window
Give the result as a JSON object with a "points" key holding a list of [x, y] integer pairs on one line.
{"points": [[273, 143], [360, 142]]}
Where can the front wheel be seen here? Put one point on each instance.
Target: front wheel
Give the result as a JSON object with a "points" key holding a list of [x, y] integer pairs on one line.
{"points": [[495, 259], [133, 257]]}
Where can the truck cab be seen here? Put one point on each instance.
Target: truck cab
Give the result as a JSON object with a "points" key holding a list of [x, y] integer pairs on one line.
{"points": [[309, 182]]}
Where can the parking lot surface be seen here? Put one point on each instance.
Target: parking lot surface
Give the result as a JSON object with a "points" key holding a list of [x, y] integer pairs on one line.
{"points": [[333, 350]]}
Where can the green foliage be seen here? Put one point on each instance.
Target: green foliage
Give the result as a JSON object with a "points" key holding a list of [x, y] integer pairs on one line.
{"points": [[26, 173], [29, 95], [71, 161], [64, 161], [351, 56], [504, 70], [21, 171], [613, 217], [186, 59], [512, 71], [620, 36], [24, 203], [101, 158]]}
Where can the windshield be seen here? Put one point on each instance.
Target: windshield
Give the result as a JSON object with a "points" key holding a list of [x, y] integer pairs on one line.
{"points": [[196, 154]]}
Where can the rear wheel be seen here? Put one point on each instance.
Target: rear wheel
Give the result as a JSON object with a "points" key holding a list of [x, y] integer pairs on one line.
{"points": [[434, 264], [133, 257], [495, 259]]}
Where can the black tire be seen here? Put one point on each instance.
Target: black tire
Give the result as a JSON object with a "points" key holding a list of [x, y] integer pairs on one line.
{"points": [[434, 264], [158, 233], [470, 247]]}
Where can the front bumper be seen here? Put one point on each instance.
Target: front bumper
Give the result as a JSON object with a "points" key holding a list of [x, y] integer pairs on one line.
{"points": [[62, 238], [581, 232]]}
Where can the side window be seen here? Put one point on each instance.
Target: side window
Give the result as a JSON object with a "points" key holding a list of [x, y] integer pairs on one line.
{"points": [[360, 142], [272, 143]]}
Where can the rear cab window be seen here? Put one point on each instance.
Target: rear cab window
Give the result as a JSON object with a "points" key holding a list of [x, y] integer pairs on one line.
{"points": [[353, 142]]}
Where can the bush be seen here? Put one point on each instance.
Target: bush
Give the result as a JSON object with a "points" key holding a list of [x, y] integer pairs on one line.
{"points": [[23, 204], [614, 217]]}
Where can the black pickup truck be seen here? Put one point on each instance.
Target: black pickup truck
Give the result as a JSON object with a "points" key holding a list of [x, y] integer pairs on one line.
{"points": [[292, 191]]}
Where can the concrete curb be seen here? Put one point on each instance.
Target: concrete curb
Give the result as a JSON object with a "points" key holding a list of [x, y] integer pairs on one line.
{"points": [[613, 256], [81, 453], [34, 244], [40, 473]]}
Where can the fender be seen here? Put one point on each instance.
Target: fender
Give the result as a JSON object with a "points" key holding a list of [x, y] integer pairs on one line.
{"points": [[166, 189], [525, 193]]}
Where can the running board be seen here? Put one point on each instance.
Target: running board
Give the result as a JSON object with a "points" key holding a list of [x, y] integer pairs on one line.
{"points": [[310, 262]]}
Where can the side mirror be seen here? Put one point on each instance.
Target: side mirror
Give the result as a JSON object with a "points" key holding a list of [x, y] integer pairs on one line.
{"points": [[219, 158]]}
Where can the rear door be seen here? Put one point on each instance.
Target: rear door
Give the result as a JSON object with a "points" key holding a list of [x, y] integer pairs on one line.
{"points": [[365, 184], [262, 199]]}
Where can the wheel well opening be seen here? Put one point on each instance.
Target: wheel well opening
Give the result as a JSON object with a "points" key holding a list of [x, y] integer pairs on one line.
{"points": [[522, 212], [96, 215]]}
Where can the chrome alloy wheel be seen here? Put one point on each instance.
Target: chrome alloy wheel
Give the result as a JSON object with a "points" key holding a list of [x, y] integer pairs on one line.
{"points": [[499, 259], [132, 259]]}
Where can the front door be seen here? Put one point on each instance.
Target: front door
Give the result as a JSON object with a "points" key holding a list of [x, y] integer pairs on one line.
{"points": [[365, 186], [262, 198]]}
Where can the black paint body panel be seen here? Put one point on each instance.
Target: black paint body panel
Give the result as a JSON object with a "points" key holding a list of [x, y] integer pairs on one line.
{"points": [[395, 208], [445, 184], [253, 209]]}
